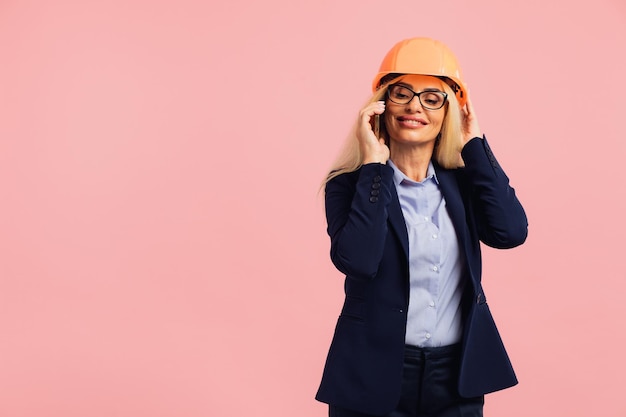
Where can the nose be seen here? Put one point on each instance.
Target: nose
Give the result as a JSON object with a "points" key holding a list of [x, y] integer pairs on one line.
{"points": [[414, 106]]}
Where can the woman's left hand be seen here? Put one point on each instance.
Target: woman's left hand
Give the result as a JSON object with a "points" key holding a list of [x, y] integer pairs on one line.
{"points": [[471, 129]]}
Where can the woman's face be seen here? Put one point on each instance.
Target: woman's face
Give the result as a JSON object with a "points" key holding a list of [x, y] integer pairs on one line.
{"points": [[411, 123]]}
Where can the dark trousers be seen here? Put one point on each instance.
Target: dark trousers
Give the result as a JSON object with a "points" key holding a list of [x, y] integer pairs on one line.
{"points": [[429, 387]]}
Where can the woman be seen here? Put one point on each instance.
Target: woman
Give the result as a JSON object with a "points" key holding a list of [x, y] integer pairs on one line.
{"points": [[406, 210]]}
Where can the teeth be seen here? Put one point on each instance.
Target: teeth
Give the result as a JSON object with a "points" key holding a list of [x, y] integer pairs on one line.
{"points": [[411, 122]]}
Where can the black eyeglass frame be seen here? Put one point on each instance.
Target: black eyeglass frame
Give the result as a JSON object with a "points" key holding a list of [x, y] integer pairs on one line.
{"points": [[419, 96]]}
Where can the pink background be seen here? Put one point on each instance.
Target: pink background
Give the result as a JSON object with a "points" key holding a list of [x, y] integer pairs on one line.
{"points": [[162, 243]]}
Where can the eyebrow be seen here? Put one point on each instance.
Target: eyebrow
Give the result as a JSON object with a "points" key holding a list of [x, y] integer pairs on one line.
{"points": [[410, 87]]}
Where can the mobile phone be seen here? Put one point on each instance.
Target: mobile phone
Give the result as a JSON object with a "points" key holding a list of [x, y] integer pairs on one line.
{"points": [[377, 125]]}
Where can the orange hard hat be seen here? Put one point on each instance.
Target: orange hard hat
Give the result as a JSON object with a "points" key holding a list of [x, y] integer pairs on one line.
{"points": [[423, 56]]}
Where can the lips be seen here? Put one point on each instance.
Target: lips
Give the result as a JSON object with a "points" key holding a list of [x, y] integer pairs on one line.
{"points": [[411, 121]]}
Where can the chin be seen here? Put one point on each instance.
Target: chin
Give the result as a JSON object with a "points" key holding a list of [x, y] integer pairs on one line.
{"points": [[413, 139]]}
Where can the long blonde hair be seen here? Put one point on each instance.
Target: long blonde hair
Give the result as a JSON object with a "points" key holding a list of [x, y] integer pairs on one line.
{"points": [[447, 151]]}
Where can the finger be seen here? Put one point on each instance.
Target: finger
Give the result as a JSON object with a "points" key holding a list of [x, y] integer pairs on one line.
{"points": [[371, 109]]}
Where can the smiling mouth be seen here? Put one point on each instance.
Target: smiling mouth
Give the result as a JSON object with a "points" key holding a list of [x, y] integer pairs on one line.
{"points": [[410, 122]]}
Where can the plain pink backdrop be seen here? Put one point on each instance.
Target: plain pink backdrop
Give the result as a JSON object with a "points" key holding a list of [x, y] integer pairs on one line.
{"points": [[162, 242]]}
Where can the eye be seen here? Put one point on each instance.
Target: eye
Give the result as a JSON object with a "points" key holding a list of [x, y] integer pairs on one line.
{"points": [[433, 99], [401, 93]]}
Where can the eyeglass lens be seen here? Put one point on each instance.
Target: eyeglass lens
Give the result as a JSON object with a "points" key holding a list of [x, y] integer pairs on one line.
{"points": [[432, 100]]}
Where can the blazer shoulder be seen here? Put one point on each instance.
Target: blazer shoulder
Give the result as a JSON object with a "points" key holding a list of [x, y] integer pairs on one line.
{"points": [[365, 174], [351, 176]]}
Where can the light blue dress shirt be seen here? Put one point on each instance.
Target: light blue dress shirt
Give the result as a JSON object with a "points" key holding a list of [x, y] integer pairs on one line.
{"points": [[435, 263]]}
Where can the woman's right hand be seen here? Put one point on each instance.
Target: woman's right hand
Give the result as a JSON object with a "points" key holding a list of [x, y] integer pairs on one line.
{"points": [[373, 149]]}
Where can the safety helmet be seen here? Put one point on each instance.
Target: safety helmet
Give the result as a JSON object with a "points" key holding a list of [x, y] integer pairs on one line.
{"points": [[423, 56]]}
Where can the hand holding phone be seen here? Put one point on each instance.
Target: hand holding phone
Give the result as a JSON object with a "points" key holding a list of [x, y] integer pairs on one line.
{"points": [[373, 148]]}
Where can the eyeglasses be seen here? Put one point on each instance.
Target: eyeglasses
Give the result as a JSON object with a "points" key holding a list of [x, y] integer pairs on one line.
{"points": [[429, 99]]}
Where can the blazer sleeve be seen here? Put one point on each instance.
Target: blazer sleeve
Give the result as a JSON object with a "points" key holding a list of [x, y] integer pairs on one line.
{"points": [[356, 213], [500, 218]]}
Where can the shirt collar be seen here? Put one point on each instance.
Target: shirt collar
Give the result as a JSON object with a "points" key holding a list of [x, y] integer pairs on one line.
{"points": [[399, 177]]}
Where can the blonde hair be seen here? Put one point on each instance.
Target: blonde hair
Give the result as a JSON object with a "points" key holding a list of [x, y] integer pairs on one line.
{"points": [[447, 151]]}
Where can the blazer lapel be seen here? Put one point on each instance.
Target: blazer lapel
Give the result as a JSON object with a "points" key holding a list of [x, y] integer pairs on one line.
{"points": [[396, 219], [454, 203]]}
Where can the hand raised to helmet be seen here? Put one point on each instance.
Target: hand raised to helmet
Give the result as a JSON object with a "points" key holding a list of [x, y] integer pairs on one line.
{"points": [[470, 126]]}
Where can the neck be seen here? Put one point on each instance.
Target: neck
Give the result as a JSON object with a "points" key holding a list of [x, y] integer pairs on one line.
{"points": [[412, 161]]}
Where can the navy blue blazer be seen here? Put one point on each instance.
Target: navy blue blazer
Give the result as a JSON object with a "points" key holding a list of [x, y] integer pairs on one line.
{"points": [[369, 244]]}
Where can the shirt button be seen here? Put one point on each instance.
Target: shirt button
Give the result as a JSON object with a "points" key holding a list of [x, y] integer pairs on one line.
{"points": [[426, 218], [435, 268], [431, 304], [427, 335], [435, 236]]}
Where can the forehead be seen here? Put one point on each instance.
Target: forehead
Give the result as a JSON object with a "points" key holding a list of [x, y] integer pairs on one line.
{"points": [[419, 82]]}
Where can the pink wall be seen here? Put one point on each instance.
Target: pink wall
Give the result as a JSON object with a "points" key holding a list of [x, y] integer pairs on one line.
{"points": [[162, 245]]}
